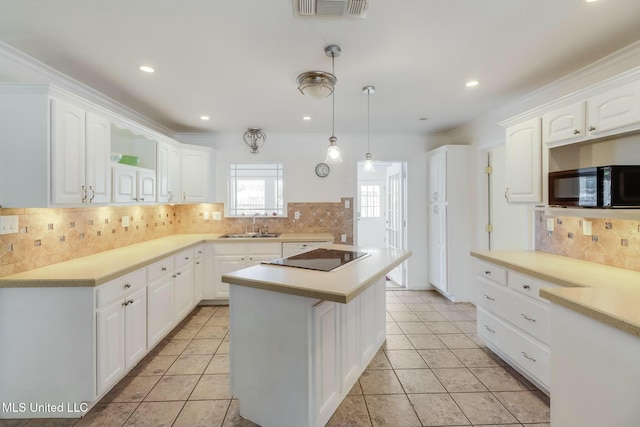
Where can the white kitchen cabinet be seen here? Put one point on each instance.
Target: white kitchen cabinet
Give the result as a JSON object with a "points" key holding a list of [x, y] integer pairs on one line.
{"points": [[133, 185], [614, 111], [121, 327], [564, 125], [160, 291], [80, 147], [327, 358], [183, 284], [168, 171], [198, 273], [515, 321], [295, 248], [437, 169], [524, 162], [448, 222], [235, 256], [196, 173]]}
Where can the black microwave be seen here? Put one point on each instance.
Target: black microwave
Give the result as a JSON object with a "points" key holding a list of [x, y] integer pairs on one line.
{"points": [[596, 187]]}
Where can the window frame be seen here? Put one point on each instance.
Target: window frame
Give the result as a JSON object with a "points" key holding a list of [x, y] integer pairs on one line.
{"points": [[273, 191]]}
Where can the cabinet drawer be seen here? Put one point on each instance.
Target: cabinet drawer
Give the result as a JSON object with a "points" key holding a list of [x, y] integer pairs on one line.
{"points": [[183, 258], [493, 297], [159, 269], [121, 286], [492, 272], [528, 286], [267, 248], [490, 328], [532, 357], [530, 316]]}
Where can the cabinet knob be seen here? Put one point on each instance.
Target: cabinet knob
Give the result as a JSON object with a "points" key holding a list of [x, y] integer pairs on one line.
{"points": [[487, 272], [142, 199], [197, 262], [186, 258], [489, 329], [489, 298], [164, 268], [178, 274], [576, 131], [174, 276], [591, 128], [526, 287], [127, 285]]}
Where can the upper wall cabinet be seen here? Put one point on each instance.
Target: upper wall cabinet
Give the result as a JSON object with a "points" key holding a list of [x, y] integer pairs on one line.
{"points": [[196, 165], [80, 146], [168, 170], [524, 162], [611, 112]]}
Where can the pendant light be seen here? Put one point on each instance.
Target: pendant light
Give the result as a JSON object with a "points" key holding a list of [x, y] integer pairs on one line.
{"points": [[333, 151], [368, 162]]}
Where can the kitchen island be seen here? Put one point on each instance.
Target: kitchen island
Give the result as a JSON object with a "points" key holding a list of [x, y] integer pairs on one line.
{"points": [[300, 338]]}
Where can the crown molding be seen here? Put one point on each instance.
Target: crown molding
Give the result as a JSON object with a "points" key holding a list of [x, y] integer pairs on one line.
{"points": [[50, 75]]}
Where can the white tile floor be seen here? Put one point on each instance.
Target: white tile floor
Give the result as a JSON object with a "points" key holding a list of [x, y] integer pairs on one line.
{"points": [[432, 371]]}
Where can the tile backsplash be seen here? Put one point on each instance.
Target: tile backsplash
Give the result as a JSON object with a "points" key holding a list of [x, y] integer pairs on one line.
{"points": [[613, 242], [49, 236]]}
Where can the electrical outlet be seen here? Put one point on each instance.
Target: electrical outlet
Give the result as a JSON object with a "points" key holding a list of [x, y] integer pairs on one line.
{"points": [[217, 216], [296, 215], [343, 238], [586, 228], [206, 215], [9, 224], [550, 224], [347, 204], [125, 221]]}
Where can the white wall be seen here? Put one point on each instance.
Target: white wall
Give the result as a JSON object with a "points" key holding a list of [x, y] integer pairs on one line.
{"points": [[300, 153]]}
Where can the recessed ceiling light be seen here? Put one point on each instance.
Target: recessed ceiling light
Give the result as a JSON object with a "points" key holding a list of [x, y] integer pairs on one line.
{"points": [[146, 69], [306, 118], [472, 83], [205, 118]]}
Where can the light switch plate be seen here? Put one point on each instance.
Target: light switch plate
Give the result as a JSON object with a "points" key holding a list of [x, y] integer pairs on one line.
{"points": [[125, 221], [343, 238], [296, 215], [206, 215], [9, 224], [550, 224], [586, 228], [217, 216], [347, 204]]}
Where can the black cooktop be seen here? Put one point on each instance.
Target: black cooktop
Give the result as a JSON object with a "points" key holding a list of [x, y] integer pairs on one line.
{"points": [[319, 259]]}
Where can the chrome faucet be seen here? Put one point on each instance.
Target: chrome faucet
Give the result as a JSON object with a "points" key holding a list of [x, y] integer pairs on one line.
{"points": [[254, 221]]}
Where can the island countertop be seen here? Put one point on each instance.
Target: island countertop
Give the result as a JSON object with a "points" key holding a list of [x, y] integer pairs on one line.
{"points": [[607, 294], [96, 269], [340, 285]]}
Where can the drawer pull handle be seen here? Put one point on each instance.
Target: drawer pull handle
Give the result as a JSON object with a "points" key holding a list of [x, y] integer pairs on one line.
{"points": [[487, 272], [126, 303], [489, 329], [526, 287], [527, 356], [164, 268], [186, 258], [528, 318], [489, 298], [127, 285], [179, 274], [197, 262]]}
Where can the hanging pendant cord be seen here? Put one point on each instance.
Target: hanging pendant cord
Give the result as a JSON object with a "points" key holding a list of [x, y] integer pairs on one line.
{"points": [[333, 98], [368, 121]]}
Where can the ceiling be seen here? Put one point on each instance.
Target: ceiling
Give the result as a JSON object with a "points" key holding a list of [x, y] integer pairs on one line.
{"points": [[237, 61]]}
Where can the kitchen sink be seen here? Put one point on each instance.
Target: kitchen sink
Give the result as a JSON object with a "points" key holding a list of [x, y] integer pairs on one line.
{"points": [[248, 235]]}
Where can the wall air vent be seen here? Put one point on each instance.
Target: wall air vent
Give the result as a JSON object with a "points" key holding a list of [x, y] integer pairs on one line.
{"points": [[347, 8]]}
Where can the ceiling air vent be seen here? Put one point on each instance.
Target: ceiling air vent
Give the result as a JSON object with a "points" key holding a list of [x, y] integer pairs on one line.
{"points": [[348, 8]]}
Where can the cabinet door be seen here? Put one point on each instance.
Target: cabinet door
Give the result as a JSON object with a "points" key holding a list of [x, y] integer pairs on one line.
{"points": [[524, 162], [368, 327], [327, 370], [110, 343], [614, 111], [225, 264], [175, 174], [195, 175], [564, 125], [160, 309], [135, 320], [183, 291], [162, 171], [438, 246], [351, 354], [198, 279], [146, 180], [68, 153], [124, 185], [98, 163], [209, 276], [438, 176]]}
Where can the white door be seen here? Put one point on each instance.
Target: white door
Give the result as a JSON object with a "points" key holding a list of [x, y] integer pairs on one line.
{"points": [[396, 218], [371, 213], [511, 222], [160, 307], [146, 186], [524, 162], [183, 291], [124, 185], [225, 264], [110, 344], [195, 175]]}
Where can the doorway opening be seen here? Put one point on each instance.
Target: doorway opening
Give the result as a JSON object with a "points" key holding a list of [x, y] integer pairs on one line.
{"points": [[381, 212]]}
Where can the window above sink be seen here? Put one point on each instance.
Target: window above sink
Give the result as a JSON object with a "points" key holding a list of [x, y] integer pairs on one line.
{"points": [[256, 189]]}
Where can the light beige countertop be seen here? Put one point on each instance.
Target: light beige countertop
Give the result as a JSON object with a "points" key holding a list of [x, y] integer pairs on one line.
{"points": [[94, 270], [608, 294], [339, 285]]}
